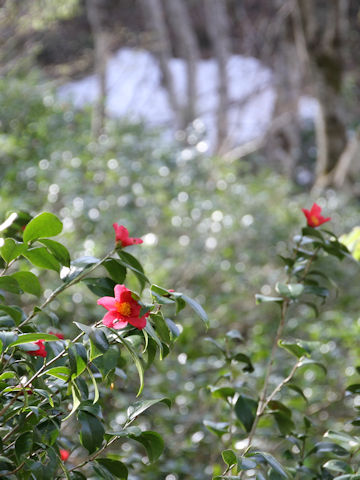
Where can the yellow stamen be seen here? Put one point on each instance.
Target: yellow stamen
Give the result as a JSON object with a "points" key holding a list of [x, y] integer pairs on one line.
{"points": [[314, 220], [124, 308]]}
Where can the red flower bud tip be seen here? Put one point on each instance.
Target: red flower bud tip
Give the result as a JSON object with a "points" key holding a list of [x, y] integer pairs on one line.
{"points": [[64, 454], [171, 290], [314, 217], [41, 352], [122, 309], [59, 335], [122, 238]]}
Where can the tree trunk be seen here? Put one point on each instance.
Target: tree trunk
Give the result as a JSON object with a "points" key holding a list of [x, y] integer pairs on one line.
{"points": [[154, 19], [323, 26], [96, 12], [217, 25], [179, 19]]}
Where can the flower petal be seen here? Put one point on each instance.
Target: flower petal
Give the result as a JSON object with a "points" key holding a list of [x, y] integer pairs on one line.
{"points": [[107, 302], [118, 290], [137, 322], [120, 324], [109, 319]]}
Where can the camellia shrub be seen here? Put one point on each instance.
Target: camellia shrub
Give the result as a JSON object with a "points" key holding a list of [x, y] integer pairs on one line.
{"points": [[270, 423], [54, 389]]}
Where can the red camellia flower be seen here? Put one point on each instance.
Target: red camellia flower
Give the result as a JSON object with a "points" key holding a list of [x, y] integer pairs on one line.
{"points": [[64, 454], [59, 335], [41, 352], [122, 236], [123, 309], [314, 217]]}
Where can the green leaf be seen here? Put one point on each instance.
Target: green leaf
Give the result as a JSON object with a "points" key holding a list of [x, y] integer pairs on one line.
{"points": [[338, 466], [197, 309], [295, 348], [42, 226], [354, 388], [102, 287], [116, 270], [153, 443], [161, 328], [75, 400], [33, 337], [229, 457], [218, 428], [307, 362], [138, 408], [7, 338], [60, 252], [241, 357], [130, 262], [9, 284], [91, 431], [28, 282], [40, 257], [59, 372], [99, 343], [235, 335], [77, 359], [13, 311], [117, 468], [136, 359], [76, 268], [24, 445], [96, 390], [270, 460], [329, 447], [12, 249], [264, 298], [222, 392], [292, 290], [245, 410]]}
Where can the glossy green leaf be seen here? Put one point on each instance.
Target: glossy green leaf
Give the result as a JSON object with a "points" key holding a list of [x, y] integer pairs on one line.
{"points": [[138, 408], [295, 348], [77, 267], [14, 312], [153, 443], [130, 262], [116, 270], [9, 284], [329, 447], [338, 466], [102, 287], [198, 309], [33, 337], [24, 445], [264, 298], [63, 373], [292, 290], [42, 226], [40, 257], [60, 252], [218, 428], [117, 468], [12, 249], [28, 282], [272, 462], [229, 457], [91, 431], [245, 410]]}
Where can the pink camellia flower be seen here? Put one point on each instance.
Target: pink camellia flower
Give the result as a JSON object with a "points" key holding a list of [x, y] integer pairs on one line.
{"points": [[314, 217], [122, 236], [41, 352], [64, 454], [123, 309], [59, 335]]}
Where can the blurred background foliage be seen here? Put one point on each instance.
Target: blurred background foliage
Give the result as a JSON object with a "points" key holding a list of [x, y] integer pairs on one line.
{"points": [[213, 228]]}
